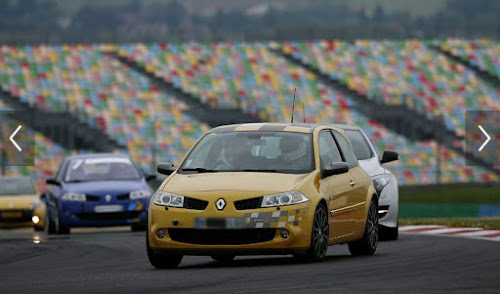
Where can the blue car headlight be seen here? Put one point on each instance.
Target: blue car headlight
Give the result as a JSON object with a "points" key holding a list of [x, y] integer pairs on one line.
{"points": [[139, 194], [380, 182], [72, 196], [168, 199], [285, 198]]}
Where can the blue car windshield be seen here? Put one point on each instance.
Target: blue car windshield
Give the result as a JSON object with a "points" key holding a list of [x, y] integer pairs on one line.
{"points": [[101, 169]]}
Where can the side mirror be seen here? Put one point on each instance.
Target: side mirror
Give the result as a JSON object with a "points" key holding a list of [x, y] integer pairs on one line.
{"points": [[389, 156], [150, 177], [335, 168], [52, 181], [165, 168]]}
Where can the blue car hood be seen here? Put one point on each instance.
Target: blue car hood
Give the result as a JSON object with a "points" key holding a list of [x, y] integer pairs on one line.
{"points": [[112, 187]]}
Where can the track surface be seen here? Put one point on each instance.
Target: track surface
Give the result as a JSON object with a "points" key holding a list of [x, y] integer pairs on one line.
{"points": [[102, 261]]}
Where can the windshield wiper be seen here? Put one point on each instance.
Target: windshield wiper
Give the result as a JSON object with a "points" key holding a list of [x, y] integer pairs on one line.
{"points": [[200, 170], [261, 170]]}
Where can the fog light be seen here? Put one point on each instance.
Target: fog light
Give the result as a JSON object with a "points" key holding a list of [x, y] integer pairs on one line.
{"points": [[35, 219], [160, 234], [285, 234]]}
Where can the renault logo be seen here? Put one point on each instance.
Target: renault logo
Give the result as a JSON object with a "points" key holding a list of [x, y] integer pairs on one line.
{"points": [[220, 204], [107, 197]]}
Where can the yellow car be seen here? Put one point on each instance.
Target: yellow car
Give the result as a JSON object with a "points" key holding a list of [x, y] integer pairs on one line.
{"points": [[20, 205], [263, 188]]}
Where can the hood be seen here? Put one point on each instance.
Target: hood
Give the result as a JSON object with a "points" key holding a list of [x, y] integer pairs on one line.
{"points": [[17, 201], [108, 187], [372, 167], [237, 184]]}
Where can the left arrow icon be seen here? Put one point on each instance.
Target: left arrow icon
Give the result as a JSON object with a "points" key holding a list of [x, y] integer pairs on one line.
{"points": [[11, 138]]}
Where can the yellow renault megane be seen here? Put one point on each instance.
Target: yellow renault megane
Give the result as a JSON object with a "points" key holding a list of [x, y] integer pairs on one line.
{"points": [[266, 188], [20, 204]]}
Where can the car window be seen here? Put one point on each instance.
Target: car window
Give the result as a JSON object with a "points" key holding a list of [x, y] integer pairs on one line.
{"points": [[101, 169], [282, 152], [16, 186], [359, 144], [346, 149], [328, 151]]}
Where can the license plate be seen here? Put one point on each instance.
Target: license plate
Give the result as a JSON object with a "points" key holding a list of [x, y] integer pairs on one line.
{"points": [[13, 214], [219, 223], [108, 208]]}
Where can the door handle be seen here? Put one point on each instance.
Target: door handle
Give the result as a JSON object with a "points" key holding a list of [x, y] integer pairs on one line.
{"points": [[352, 183]]}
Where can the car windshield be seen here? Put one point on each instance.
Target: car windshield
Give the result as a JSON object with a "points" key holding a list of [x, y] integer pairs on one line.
{"points": [[16, 186], [101, 169], [359, 144], [281, 152]]}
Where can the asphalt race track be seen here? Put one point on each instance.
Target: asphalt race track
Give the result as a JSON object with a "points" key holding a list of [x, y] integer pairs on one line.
{"points": [[114, 260]]}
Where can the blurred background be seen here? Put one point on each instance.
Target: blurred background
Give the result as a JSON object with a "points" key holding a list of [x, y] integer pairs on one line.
{"points": [[149, 77]]}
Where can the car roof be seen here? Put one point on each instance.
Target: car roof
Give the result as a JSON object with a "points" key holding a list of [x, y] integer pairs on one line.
{"points": [[267, 127], [345, 127], [97, 155]]}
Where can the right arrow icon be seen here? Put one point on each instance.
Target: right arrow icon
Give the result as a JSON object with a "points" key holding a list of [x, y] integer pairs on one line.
{"points": [[488, 138]]}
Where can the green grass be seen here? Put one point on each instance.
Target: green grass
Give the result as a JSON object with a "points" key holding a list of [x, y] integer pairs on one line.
{"points": [[485, 223], [451, 194]]}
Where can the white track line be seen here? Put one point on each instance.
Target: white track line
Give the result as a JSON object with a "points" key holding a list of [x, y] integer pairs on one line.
{"points": [[477, 233]]}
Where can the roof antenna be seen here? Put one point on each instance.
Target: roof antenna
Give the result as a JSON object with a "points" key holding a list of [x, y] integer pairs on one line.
{"points": [[293, 104], [304, 112]]}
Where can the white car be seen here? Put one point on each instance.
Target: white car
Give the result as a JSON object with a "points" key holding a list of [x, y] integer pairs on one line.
{"points": [[384, 181]]}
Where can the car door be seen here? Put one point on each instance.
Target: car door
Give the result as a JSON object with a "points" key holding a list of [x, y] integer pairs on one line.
{"points": [[335, 189], [358, 180]]}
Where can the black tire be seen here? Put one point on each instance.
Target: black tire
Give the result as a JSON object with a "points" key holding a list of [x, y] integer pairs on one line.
{"points": [[320, 235], [387, 233], [138, 227], [61, 228], [49, 227], [223, 258], [368, 244], [162, 260]]}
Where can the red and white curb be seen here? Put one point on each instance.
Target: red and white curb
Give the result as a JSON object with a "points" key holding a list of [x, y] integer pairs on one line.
{"points": [[473, 233]]}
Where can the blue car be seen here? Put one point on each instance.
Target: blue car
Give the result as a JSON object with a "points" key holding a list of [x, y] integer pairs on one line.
{"points": [[96, 190]]}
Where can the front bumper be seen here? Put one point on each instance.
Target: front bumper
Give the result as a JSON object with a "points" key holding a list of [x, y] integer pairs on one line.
{"points": [[22, 218], [389, 205], [259, 230], [88, 214]]}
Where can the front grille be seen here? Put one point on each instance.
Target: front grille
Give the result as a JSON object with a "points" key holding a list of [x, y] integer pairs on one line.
{"points": [[25, 216], [92, 198], [191, 203], [383, 210], [109, 215], [252, 203], [222, 237], [123, 197]]}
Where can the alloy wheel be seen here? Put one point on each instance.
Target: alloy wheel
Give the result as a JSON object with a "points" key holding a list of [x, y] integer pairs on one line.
{"points": [[373, 226], [320, 233]]}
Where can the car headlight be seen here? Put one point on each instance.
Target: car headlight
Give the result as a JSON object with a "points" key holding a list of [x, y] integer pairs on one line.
{"points": [[139, 194], [34, 205], [168, 199], [285, 198], [381, 181], [71, 196]]}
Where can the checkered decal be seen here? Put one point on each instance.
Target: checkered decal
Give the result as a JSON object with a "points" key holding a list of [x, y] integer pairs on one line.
{"points": [[277, 219]]}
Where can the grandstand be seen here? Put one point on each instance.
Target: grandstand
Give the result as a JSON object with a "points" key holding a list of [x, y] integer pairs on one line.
{"points": [[92, 83]]}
